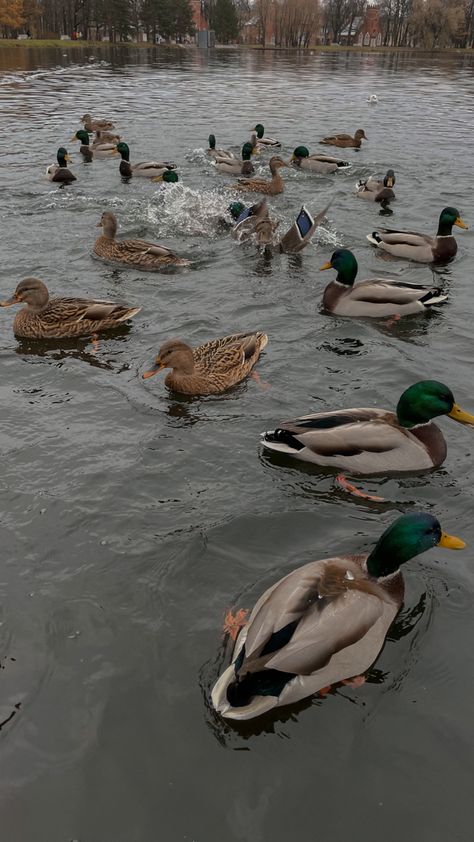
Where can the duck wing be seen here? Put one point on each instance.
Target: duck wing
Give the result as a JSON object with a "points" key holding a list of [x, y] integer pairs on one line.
{"points": [[72, 310], [366, 441], [142, 247], [379, 291], [314, 612], [154, 165], [229, 352], [411, 238]]}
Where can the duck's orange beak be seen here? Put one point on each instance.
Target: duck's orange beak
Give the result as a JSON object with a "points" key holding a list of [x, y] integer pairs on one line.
{"points": [[458, 414], [9, 302], [327, 265], [156, 368], [451, 542], [460, 223]]}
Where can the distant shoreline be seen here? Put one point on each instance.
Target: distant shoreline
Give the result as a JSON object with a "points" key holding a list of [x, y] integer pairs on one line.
{"points": [[37, 43]]}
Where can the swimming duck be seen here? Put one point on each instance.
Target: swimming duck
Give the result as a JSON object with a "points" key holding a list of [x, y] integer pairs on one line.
{"points": [[209, 369], [421, 247], [317, 163], [105, 137], [59, 172], [374, 441], [377, 191], [345, 140], [374, 298], [376, 184], [262, 185], [99, 150], [91, 125], [137, 253], [373, 99], [218, 153], [255, 222], [231, 166], [58, 318], [261, 139], [144, 169], [323, 623]]}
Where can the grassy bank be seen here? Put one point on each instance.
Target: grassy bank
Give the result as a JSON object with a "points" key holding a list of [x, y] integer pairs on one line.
{"points": [[37, 43]]}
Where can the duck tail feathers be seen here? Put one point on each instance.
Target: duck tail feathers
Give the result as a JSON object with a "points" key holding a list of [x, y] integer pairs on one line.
{"points": [[374, 238], [434, 296]]}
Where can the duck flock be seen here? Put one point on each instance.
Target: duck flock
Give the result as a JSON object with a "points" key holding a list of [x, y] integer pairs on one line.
{"points": [[325, 622]]}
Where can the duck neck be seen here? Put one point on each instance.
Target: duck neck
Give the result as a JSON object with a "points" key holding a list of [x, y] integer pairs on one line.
{"points": [[445, 228], [346, 275]]}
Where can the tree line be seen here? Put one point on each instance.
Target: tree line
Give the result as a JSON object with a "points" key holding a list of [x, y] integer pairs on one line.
{"points": [[286, 23]]}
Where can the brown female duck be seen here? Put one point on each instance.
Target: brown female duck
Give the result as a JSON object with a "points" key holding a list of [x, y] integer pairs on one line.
{"points": [[211, 368], [345, 140], [373, 441], [91, 125], [262, 185], [137, 253], [58, 318]]}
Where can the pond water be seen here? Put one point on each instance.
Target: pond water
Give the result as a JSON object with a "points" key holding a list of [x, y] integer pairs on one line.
{"points": [[132, 518]]}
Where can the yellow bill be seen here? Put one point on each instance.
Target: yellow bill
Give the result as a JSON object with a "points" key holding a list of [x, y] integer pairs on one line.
{"points": [[460, 223], [450, 542], [458, 414], [156, 368], [327, 265]]}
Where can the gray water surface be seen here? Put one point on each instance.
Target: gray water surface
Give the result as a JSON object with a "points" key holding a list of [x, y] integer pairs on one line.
{"points": [[133, 518]]}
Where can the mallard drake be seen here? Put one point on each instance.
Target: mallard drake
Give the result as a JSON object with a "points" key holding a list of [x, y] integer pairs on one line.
{"points": [[137, 253], [211, 368], [323, 623], [345, 140], [374, 441], [373, 298], [261, 139], [58, 318], [91, 125], [262, 185], [100, 150], [101, 137], [59, 172], [144, 169], [375, 185], [421, 247], [323, 164], [231, 166], [218, 153], [380, 192]]}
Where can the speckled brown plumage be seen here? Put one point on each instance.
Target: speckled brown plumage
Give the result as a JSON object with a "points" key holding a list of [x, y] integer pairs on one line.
{"points": [[261, 185], [211, 368], [140, 254], [345, 140], [57, 318]]}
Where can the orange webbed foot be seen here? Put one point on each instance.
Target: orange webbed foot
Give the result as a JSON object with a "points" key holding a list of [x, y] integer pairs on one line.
{"points": [[393, 320], [234, 622], [355, 681], [255, 376], [324, 691], [95, 343], [352, 489]]}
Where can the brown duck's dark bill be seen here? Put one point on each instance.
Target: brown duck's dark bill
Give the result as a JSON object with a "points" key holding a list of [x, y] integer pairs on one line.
{"points": [[156, 368], [460, 223], [10, 301]]}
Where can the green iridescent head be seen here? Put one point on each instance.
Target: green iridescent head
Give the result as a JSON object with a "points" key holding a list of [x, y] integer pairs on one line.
{"points": [[170, 177], [124, 151], [235, 209], [62, 157], [212, 141], [259, 129], [247, 151], [426, 400], [407, 537], [449, 217], [83, 136], [300, 152], [345, 264]]}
